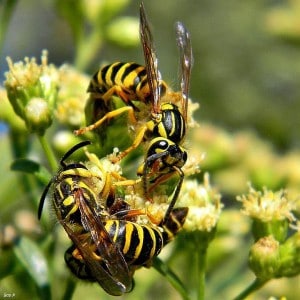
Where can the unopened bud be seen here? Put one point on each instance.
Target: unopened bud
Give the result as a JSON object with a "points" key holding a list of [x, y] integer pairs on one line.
{"points": [[264, 258]]}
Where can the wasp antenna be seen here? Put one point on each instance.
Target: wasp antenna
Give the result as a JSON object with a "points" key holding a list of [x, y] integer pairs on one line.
{"points": [[62, 163], [72, 150], [175, 195], [43, 197]]}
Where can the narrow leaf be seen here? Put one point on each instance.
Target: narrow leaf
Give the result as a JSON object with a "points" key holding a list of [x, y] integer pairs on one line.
{"points": [[33, 260], [31, 167]]}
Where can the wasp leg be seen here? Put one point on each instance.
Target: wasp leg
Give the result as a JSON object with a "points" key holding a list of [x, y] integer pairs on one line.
{"points": [[175, 195], [115, 90], [151, 164], [137, 141], [122, 181], [132, 213], [77, 255], [107, 116], [160, 179], [128, 182], [76, 264], [124, 94]]}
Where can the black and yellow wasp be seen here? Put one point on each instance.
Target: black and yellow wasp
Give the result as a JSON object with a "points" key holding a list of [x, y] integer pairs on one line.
{"points": [[108, 243], [165, 126]]}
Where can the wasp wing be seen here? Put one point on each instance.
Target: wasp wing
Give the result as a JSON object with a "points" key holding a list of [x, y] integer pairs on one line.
{"points": [[113, 264], [109, 283], [153, 75], [186, 62]]}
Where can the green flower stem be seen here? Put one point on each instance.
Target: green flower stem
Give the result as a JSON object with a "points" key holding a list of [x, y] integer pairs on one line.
{"points": [[255, 285], [70, 288], [201, 241], [48, 153], [163, 269], [200, 261], [87, 48]]}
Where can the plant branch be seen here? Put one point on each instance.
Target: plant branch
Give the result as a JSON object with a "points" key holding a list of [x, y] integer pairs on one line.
{"points": [[173, 279], [48, 153], [255, 285]]}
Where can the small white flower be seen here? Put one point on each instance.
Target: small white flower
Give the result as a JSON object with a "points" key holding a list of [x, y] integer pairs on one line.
{"points": [[267, 205], [203, 203]]}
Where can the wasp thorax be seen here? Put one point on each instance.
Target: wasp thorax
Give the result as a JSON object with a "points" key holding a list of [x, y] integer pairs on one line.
{"points": [[156, 117]]}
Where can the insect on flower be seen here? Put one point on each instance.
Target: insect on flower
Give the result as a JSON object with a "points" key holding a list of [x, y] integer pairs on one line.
{"points": [[166, 119], [108, 243]]}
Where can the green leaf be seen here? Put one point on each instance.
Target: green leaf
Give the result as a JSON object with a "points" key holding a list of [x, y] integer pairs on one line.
{"points": [[31, 167], [33, 260]]}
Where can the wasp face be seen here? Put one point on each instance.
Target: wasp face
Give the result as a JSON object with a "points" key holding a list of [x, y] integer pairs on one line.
{"points": [[168, 153]]}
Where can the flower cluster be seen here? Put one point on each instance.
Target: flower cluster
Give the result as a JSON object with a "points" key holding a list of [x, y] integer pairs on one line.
{"points": [[204, 205], [40, 93], [32, 91], [267, 205], [275, 252]]}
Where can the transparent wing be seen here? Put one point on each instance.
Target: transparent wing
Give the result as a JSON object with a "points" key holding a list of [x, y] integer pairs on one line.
{"points": [[186, 62], [109, 283], [112, 271], [153, 74]]}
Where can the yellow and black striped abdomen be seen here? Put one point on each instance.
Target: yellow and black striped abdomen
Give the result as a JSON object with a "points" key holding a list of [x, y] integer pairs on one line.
{"points": [[175, 222], [131, 77], [138, 243]]}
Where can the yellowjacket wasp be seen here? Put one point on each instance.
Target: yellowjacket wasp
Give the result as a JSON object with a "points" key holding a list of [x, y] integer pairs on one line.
{"points": [[108, 244], [166, 128]]}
